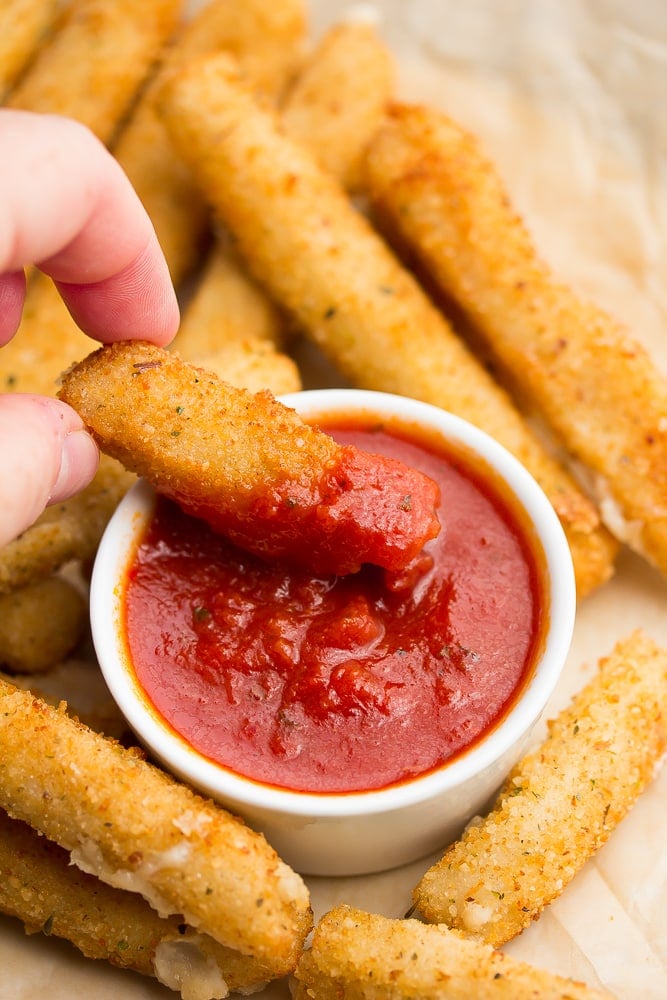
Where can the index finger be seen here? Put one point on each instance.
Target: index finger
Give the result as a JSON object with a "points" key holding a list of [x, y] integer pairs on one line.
{"points": [[68, 207]]}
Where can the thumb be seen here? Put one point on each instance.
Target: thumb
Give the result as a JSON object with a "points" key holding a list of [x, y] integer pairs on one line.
{"points": [[46, 456]]}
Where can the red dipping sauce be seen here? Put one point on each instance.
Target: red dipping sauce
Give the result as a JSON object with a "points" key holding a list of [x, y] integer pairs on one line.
{"points": [[339, 684]]}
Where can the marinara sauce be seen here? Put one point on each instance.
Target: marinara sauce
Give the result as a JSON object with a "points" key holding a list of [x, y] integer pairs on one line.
{"points": [[339, 684]]}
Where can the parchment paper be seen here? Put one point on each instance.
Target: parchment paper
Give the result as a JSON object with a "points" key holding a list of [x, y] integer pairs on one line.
{"points": [[568, 96]]}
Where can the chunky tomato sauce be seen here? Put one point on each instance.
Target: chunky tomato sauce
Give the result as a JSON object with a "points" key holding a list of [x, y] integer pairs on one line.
{"points": [[339, 684]]}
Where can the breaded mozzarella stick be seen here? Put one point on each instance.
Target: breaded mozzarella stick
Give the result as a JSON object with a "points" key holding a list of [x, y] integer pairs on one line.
{"points": [[134, 827], [321, 260], [559, 804], [364, 956], [595, 386], [249, 466], [41, 888], [48, 894], [333, 111]]}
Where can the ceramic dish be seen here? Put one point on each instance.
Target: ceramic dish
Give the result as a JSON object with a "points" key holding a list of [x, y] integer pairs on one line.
{"points": [[337, 834]]}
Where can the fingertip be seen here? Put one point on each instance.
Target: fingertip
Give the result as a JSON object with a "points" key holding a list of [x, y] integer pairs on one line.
{"points": [[139, 303], [172, 321], [46, 456], [167, 316]]}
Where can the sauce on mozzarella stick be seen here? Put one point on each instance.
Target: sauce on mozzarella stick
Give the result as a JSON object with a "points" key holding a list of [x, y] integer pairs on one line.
{"points": [[250, 466], [581, 371]]}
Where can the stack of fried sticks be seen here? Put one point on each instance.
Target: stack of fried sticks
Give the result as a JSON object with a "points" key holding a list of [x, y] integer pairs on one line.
{"points": [[246, 148]]}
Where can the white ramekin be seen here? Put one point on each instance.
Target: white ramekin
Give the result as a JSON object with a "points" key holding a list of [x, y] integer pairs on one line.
{"points": [[354, 833]]}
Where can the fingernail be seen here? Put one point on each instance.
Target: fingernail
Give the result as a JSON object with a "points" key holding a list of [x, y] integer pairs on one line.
{"points": [[78, 464]]}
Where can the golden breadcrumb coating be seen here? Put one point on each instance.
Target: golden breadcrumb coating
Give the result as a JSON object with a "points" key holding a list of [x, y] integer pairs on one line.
{"points": [[250, 466], [226, 306], [41, 888], [166, 418], [364, 956], [267, 39], [333, 111], [135, 827], [339, 98], [581, 370], [252, 364]]}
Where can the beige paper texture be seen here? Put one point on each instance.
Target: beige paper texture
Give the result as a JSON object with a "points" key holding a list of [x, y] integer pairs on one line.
{"points": [[569, 98]]}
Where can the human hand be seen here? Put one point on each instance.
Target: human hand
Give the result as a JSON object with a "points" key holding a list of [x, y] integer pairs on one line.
{"points": [[67, 207]]}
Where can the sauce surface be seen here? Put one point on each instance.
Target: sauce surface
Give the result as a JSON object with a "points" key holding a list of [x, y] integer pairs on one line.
{"points": [[338, 684]]}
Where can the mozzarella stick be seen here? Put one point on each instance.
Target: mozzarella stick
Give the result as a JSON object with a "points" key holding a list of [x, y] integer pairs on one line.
{"points": [[333, 111], [251, 467], [370, 957], [24, 24], [267, 40], [322, 261], [134, 827], [67, 531], [339, 98], [559, 804], [579, 369], [40, 624], [49, 895]]}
